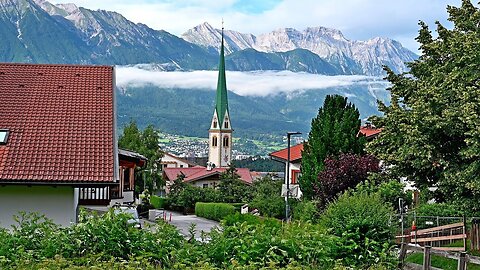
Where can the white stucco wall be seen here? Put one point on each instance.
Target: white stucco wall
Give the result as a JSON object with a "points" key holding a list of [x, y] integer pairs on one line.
{"points": [[56, 203], [173, 162], [210, 183], [293, 167]]}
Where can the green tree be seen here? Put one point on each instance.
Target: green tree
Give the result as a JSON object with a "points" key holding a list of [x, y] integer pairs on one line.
{"points": [[333, 131], [266, 197], [145, 143], [431, 129], [231, 188]]}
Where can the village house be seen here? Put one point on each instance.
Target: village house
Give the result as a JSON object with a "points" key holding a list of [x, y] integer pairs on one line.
{"points": [[369, 131], [57, 139]]}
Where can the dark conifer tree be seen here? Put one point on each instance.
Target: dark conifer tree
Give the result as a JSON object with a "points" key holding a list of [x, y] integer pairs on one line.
{"points": [[333, 131]]}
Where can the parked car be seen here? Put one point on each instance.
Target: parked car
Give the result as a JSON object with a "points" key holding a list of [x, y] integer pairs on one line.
{"points": [[135, 220]]}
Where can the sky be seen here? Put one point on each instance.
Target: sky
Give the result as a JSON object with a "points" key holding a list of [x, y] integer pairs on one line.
{"points": [[357, 19]]}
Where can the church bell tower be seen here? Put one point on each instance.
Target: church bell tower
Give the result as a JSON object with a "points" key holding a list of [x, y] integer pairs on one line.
{"points": [[220, 133]]}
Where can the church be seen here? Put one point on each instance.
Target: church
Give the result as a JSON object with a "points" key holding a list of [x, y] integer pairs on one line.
{"points": [[220, 142]]}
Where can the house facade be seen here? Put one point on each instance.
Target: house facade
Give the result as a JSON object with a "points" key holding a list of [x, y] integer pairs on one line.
{"points": [[59, 135]]}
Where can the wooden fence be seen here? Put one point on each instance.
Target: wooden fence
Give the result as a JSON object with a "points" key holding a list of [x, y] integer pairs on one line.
{"points": [[462, 257]]}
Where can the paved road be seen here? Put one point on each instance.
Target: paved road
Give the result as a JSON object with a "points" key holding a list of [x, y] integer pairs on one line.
{"points": [[183, 223]]}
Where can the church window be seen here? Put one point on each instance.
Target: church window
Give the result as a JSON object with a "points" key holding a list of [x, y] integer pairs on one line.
{"points": [[226, 124], [225, 141], [214, 141], [214, 123]]}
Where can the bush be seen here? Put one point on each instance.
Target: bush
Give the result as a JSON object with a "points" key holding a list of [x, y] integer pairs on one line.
{"points": [[158, 202], [306, 211], [439, 209], [267, 199], [362, 221], [214, 211], [259, 243]]}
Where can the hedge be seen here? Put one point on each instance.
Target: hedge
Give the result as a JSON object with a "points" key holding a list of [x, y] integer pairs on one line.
{"points": [[214, 211], [157, 202]]}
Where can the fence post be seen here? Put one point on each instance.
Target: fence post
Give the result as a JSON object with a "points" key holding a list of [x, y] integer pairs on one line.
{"points": [[465, 233], [462, 261], [403, 252], [426, 258]]}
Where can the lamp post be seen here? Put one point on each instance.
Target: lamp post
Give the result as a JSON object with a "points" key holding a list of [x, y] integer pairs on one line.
{"points": [[287, 206]]}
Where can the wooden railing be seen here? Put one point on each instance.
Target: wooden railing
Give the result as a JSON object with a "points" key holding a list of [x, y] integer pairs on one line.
{"points": [[94, 196], [462, 257]]}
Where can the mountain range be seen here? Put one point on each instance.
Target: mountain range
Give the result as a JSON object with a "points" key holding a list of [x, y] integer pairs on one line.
{"points": [[40, 32]]}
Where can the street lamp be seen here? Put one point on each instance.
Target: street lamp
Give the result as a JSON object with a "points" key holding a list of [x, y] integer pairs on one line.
{"points": [[287, 206]]}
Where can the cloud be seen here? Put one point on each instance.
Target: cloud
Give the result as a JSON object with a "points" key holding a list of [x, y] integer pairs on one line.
{"points": [[358, 19], [259, 83]]}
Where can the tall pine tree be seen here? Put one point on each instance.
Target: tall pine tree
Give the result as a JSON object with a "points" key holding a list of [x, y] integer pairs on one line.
{"points": [[333, 131]]}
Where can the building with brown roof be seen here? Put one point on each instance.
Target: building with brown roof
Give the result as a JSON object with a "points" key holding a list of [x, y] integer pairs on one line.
{"points": [[57, 133]]}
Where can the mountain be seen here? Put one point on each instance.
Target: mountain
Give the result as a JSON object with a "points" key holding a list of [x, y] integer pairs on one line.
{"points": [[40, 32], [37, 31], [350, 57], [189, 111]]}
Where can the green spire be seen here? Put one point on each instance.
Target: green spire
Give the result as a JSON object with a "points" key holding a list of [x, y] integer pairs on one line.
{"points": [[221, 102]]}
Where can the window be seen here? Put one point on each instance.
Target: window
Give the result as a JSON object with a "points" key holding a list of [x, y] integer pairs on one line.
{"points": [[214, 123], [4, 136], [181, 165], [225, 141], [226, 124], [295, 174], [214, 141], [205, 185]]}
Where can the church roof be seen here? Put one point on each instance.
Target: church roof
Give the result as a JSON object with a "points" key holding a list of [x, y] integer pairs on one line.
{"points": [[221, 101]]}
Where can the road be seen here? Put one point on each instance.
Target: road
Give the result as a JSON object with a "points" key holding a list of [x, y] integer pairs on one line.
{"points": [[183, 223]]}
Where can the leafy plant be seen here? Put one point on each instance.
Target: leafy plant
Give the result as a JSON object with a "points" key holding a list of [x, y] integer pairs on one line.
{"points": [[362, 221], [214, 211]]}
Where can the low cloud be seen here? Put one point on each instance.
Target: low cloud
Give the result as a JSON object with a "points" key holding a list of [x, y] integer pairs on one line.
{"points": [[258, 83]]}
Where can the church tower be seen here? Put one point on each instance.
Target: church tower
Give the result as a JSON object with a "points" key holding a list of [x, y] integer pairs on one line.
{"points": [[220, 133]]}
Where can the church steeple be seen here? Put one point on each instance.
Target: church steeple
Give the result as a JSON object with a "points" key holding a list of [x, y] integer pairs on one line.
{"points": [[221, 102], [220, 133]]}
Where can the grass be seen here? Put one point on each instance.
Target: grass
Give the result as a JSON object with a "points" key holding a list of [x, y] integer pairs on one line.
{"points": [[440, 262]]}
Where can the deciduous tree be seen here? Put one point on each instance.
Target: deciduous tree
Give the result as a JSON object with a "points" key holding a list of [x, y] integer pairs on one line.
{"points": [[431, 129]]}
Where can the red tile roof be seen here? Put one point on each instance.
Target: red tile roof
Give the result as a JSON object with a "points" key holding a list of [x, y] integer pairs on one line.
{"points": [[369, 131], [61, 123], [198, 173], [296, 151]]}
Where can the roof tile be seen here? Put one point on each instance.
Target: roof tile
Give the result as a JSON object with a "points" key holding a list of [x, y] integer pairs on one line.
{"points": [[59, 121]]}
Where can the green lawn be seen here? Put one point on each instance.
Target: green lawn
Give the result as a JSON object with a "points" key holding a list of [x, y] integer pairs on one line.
{"points": [[439, 262]]}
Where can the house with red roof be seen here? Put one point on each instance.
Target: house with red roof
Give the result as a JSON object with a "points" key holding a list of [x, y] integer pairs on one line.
{"points": [[57, 137], [369, 131]]}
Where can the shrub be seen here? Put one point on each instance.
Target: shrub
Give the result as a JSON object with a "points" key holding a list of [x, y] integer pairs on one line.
{"points": [[389, 191], [306, 211], [158, 202], [214, 211], [342, 173], [259, 243], [439, 209], [362, 221], [267, 197]]}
